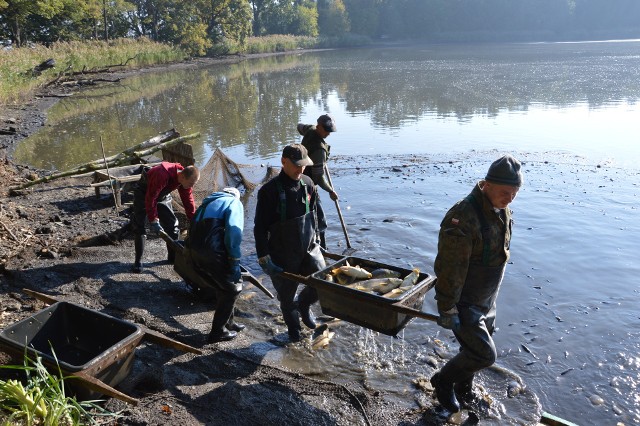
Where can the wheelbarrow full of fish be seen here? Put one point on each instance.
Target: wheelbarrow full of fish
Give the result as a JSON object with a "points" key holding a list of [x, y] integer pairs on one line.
{"points": [[377, 296]]}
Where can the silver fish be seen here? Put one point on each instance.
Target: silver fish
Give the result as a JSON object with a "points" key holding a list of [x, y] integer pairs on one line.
{"points": [[384, 273], [411, 279], [352, 271], [388, 285]]}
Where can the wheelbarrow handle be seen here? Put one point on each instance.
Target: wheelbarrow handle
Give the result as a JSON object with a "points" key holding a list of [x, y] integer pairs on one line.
{"points": [[248, 276], [171, 242], [398, 307], [157, 337]]}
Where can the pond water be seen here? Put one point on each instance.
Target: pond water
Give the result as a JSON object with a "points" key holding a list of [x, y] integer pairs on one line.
{"points": [[417, 126]]}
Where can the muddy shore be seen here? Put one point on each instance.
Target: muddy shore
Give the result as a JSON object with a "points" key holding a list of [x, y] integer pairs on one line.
{"points": [[59, 238]]}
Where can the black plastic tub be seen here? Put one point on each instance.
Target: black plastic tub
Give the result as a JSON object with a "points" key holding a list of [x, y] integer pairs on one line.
{"points": [[82, 340], [368, 310]]}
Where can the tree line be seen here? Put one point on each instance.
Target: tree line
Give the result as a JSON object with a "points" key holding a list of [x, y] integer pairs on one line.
{"points": [[199, 25]]}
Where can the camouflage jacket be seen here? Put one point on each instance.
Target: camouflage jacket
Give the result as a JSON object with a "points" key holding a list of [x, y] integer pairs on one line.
{"points": [[318, 152], [460, 244]]}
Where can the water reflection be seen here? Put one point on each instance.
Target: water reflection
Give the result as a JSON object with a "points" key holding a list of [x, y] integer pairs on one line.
{"points": [[385, 98]]}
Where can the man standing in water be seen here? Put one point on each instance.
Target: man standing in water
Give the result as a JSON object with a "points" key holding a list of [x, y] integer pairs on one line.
{"points": [[318, 149], [152, 202], [473, 250], [285, 234]]}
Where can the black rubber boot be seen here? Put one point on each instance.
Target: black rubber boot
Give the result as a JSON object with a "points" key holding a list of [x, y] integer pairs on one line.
{"points": [[234, 326], [223, 313], [139, 243], [464, 392], [292, 320], [223, 336], [307, 316], [323, 241], [307, 297], [171, 255], [445, 394]]}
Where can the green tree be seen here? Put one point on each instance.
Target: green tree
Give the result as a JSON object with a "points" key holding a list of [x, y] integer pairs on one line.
{"points": [[287, 17], [197, 25], [332, 18], [16, 14], [364, 16]]}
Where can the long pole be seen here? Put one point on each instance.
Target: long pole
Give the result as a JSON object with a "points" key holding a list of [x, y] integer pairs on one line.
{"points": [[344, 227], [106, 165]]}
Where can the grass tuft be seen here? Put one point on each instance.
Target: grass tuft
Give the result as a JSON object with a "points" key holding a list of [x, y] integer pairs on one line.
{"points": [[41, 399]]}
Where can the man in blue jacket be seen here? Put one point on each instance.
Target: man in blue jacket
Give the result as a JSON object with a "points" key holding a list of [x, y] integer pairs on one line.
{"points": [[213, 243]]}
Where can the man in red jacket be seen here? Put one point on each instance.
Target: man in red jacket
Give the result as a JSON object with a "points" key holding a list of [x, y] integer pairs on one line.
{"points": [[152, 202]]}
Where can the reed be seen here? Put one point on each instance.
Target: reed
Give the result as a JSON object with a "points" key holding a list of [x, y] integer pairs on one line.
{"points": [[41, 399], [265, 44], [17, 81]]}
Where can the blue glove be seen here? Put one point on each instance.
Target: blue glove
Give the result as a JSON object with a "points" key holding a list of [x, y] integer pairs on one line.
{"points": [[449, 321], [235, 274], [268, 266], [156, 228]]}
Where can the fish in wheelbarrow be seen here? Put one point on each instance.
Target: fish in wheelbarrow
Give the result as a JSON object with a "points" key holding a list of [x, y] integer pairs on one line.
{"points": [[352, 271], [411, 279], [384, 273], [378, 285]]}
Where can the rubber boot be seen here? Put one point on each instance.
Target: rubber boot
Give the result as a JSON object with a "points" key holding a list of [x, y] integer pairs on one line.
{"points": [[139, 243], [467, 397], [464, 392], [307, 297], [445, 394], [224, 311], [307, 316], [323, 242], [171, 255], [292, 320], [234, 326]]}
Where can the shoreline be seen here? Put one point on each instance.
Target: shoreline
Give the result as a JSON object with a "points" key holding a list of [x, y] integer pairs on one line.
{"points": [[31, 115]]}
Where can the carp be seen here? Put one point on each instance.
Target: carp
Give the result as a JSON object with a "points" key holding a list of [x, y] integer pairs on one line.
{"points": [[322, 340], [397, 292], [378, 285], [387, 285], [411, 279], [352, 271], [384, 273]]}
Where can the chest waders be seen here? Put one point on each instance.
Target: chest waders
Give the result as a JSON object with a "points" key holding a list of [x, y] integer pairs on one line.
{"points": [[167, 217], [322, 220], [476, 310], [292, 246]]}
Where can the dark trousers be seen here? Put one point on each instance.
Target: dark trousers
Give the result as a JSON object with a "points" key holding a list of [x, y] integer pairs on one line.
{"points": [[225, 303], [167, 217], [477, 349], [286, 290]]}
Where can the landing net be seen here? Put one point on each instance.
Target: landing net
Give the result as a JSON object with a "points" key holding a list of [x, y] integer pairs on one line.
{"points": [[220, 172]]}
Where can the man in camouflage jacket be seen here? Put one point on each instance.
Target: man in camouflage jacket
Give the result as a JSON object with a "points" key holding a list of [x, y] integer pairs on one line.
{"points": [[473, 250]]}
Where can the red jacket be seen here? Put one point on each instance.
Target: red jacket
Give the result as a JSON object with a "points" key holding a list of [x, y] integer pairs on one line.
{"points": [[161, 180]]}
